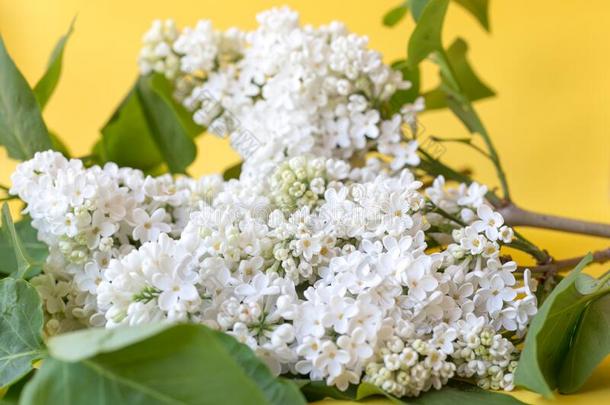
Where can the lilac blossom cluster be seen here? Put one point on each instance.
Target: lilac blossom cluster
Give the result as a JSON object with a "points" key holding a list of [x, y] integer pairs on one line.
{"points": [[322, 269]]}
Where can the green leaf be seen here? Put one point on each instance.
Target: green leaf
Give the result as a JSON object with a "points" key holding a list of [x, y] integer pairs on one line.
{"points": [[188, 364], [426, 38], [36, 250], [20, 329], [395, 15], [457, 392], [479, 9], [453, 393], [13, 392], [366, 390], [22, 130], [15, 252], [59, 145], [545, 288], [417, 8], [147, 131], [166, 88], [174, 143], [232, 172], [590, 345], [126, 138], [469, 84], [48, 82], [72, 347], [462, 107], [318, 390], [551, 331], [435, 99]]}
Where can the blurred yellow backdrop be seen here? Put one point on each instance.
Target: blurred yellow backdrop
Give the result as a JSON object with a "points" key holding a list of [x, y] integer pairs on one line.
{"points": [[548, 61]]}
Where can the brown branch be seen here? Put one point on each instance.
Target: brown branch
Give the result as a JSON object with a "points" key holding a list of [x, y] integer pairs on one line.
{"points": [[601, 256], [515, 216]]}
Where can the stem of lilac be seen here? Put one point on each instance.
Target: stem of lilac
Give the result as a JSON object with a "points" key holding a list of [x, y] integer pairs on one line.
{"points": [[516, 216], [600, 257]]}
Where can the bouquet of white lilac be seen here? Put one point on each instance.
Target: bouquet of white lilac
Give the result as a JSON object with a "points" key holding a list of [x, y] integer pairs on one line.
{"points": [[341, 259]]}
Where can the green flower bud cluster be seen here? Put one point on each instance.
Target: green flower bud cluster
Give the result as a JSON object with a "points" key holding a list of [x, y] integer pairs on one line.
{"points": [[488, 358], [299, 182], [74, 249], [409, 369]]}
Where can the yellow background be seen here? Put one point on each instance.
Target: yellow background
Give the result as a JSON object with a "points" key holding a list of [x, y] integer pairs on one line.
{"points": [[548, 61]]}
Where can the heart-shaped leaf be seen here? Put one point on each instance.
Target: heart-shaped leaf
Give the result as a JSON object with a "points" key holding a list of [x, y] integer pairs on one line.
{"points": [[21, 321], [186, 364], [22, 130]]}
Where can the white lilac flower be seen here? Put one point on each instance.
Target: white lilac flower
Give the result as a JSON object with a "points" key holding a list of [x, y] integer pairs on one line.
{"points": [[82, 215], [494, 292], [149, 227], [326, 101], [489, 222], [156, 54]]}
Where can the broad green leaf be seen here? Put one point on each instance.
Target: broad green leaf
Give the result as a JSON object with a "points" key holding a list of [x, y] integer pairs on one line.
{"points": [[21, 321], [186, 364], [546, 287], [36, 250], [72, 347], [469, 84], [22, 263], [318, 390], [395, 15], [48, 82], [366, 390], [479, 9], [165, 87], [126, 138], [232, 172], [457, 392], [551, 331], [590, 345], [59, 145], [22, 130], [13, 392], [174, 143], [146, 132], [453, 393], [426, 38]]}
